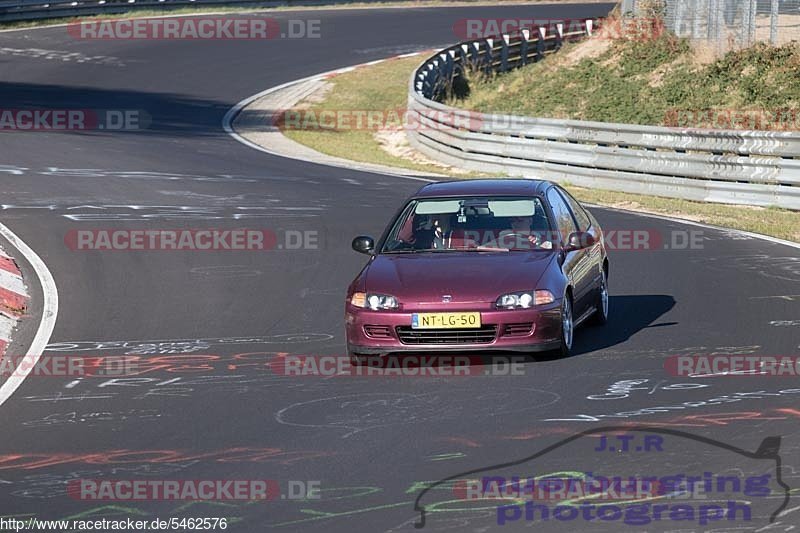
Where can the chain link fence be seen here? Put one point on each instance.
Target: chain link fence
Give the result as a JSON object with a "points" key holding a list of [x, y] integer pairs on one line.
{"points": [[725, 24]]}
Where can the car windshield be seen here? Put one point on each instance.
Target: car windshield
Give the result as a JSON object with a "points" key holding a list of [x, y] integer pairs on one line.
{"points": [[481, 224]]}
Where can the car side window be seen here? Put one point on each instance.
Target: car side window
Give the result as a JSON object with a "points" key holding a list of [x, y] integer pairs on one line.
{"points": [[577, 209], [564, 220]]}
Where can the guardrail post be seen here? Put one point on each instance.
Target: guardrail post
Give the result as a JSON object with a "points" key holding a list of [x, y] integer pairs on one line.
{"points": [[463, 52], [540, 42], [504, 53], [559, 35], [422, 84], [433, 80], [446, 77], [461, 63], [488, 57], [455, 66], [523, 47], [475, 54], [447, 68]]}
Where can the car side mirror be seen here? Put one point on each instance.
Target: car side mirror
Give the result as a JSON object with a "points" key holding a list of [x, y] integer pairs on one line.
{"points": [[364, 245], [579, 240]]}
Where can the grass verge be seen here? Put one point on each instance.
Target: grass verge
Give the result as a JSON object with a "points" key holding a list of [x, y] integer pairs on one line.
{"points": [[661, 81], [380, 88], [383, 87], [779, 223]]}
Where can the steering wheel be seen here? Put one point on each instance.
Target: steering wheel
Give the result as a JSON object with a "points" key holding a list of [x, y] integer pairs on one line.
{"points": [[502, 239]]}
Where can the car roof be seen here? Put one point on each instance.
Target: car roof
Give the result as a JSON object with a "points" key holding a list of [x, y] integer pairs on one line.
{"points": [[484, 187]]}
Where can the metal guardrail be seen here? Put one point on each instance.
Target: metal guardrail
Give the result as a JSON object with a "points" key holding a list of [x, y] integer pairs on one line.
{"points": [[743, 167], [19, 10]]}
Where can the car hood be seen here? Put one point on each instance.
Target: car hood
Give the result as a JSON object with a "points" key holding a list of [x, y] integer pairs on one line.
{"points": [[465, 276]]}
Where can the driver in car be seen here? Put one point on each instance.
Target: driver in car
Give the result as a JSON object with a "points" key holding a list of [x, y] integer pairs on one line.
{"points": [[522, 230]]}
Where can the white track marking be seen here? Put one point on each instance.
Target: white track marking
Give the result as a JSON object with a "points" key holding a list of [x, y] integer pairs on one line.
{"points": [[7, 325], [49, 312], [230, 116], [12, 282], [61, 55]]}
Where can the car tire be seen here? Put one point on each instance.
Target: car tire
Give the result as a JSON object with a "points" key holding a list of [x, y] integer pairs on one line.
{"points": [[600, 316], [567, 327]]}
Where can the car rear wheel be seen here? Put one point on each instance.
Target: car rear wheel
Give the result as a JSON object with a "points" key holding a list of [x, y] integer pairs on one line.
{"points": [[600, 316], [567, 327]]}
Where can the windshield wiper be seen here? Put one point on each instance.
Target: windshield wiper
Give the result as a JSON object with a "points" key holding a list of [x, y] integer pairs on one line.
{"points": [[403, 251], [432, 250]]}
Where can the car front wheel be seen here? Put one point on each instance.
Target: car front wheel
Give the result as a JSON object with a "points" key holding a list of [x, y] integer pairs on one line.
{"points": [[567, 327]]}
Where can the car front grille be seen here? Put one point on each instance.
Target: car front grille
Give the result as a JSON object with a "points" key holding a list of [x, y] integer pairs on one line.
{"points": [[482, 335]]}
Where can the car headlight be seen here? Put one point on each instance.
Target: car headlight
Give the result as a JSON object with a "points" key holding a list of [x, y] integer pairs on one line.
{"points": [[375, 302], [524, 299]]}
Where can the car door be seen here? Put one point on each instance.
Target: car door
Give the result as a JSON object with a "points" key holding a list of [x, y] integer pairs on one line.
{"points": [[594, 254], [570, 261], [575, 264]]}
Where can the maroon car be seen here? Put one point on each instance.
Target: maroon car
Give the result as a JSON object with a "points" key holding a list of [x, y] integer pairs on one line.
{"points": [[479, 265]]}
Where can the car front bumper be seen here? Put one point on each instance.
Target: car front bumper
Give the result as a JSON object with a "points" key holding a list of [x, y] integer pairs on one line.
{"points": [[383, 332]]}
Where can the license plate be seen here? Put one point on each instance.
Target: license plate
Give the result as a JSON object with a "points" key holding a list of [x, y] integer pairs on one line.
{"points": [[445, 320]]}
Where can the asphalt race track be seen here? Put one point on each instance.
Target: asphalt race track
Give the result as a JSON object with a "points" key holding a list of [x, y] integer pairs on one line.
{"points": [[217, 412]]}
